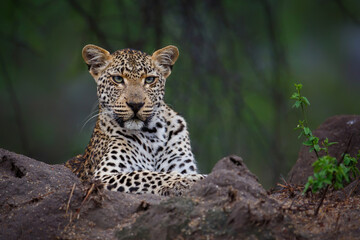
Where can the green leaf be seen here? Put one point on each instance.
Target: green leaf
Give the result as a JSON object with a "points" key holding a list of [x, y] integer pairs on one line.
{"points": [[347, 160], [355, 171], [338, 185], [297, 104], [294, 96], [300, 135], [327, 181], [317, 148], [298, 86], [308, 143], [343, 172], [306, 101], [308, 184], [307, 131]]}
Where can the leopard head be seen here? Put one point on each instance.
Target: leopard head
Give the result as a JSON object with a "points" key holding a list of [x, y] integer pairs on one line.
{"points": [[130, 83]]}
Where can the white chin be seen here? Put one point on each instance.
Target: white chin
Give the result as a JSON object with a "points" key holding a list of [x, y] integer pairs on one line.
{"points": [[134, 124]]}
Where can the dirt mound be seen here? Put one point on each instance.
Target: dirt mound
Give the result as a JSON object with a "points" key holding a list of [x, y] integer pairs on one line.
{"points": [[40, 201], [228, 204]]}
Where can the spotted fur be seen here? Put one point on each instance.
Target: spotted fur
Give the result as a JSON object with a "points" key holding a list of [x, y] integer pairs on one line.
{"points": [[139, 144]]}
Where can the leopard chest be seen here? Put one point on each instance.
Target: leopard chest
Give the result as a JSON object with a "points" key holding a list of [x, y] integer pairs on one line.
{"points": [[134, 151]]}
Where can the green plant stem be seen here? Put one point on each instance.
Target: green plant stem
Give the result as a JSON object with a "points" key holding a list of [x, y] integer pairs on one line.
{"points": [[304, 114]]}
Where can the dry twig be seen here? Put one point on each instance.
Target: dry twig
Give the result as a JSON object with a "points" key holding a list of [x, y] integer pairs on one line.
{"points": [[71, 194], [85, 199]]}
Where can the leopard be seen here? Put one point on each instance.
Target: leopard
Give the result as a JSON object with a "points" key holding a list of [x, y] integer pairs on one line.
{"points": [[139, 144]]}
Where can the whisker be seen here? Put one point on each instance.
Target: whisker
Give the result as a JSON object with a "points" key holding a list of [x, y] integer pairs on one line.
{"points": [[94, 109], [91, 115], [103, 112], [82, 128]]}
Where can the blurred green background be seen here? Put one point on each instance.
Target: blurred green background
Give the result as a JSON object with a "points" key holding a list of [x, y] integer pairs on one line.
{"points": [[238, 63]]}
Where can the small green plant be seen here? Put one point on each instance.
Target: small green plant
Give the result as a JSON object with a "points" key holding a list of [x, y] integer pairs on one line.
{"points": [[328, 171]]}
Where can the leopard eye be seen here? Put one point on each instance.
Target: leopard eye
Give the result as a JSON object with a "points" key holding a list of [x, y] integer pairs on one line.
{"points": [[118, 79], [149, 80]]}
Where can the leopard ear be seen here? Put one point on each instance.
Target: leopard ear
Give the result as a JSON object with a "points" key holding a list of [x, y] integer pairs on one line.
{"points": [[96, 58], [163, 59]]}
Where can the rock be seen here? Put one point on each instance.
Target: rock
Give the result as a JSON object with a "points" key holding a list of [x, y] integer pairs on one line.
{"points": [[338, 129]]}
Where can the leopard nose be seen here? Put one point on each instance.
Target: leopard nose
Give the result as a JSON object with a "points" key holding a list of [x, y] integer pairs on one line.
{"points": [[135, 106]]}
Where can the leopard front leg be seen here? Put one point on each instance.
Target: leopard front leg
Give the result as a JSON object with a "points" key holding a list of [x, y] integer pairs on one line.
{"points": [[164, 184], [178, 184]]}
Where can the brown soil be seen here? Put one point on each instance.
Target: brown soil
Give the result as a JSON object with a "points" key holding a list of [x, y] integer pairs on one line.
{"points": [[337, 218]]}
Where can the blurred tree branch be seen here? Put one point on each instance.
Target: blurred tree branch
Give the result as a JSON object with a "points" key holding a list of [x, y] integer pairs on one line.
{"points": [[347, 12], [16, 106], [92, 23], [199, 46], [278, 87], [19, 44], [158, 22], [263, 134]]}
